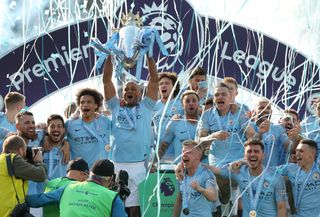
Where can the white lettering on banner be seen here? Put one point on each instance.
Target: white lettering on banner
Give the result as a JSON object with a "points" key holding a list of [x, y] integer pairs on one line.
{"points": [[264, 68], [49, 64]]}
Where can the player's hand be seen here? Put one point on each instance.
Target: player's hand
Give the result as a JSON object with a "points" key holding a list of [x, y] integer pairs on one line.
{"points": [[195, 185], [220, 135], [179, 171], [264, 126], [46, 144], [65, 150]]}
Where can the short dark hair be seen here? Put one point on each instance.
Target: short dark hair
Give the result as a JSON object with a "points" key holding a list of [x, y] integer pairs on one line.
{"points": [[254, 142], [174, 78], [197, 71], [12, 143], [98, 98], [292, 112], [189, 92], [13, 97], [55, 117], [310, 143], [23, 113]]}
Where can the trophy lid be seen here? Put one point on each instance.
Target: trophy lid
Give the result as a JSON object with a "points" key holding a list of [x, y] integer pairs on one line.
{"points": [[131, 19]]}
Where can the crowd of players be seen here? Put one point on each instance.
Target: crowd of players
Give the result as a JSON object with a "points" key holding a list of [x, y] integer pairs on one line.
{"points": [[162, 123]]}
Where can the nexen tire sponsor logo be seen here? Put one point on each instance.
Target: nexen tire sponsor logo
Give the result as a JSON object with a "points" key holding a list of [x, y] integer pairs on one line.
{"points": [[54, 62]]}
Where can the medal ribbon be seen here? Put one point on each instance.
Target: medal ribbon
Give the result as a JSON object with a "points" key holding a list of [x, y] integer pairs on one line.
{"points": [[297, 194], [255, 198], [187, 188]]}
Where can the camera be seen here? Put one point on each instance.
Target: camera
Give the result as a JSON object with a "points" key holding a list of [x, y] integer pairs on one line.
{"points": [[120, 184], [21, 210], [31, 152]]}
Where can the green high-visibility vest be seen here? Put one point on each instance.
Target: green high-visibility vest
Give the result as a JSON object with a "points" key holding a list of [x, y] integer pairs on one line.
{"points": [[86, 199], [53, 209]]}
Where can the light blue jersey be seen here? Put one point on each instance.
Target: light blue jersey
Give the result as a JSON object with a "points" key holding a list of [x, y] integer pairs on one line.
{"points": [[273, 141], [5, 127], [36, 187], [197, 204], [310, 128], [225, 151], [173, 107], [53, 162], [272, 190], [308, 192], [177, 132], [163, 112], [131, 130], [89, 140]]}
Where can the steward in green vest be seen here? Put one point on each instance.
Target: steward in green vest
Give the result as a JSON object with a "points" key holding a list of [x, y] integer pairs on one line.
{"points": [[88, 198], [78, 170]]}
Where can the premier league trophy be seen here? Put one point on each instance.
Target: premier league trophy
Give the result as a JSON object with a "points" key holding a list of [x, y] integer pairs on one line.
{"points": [[128, 45]]}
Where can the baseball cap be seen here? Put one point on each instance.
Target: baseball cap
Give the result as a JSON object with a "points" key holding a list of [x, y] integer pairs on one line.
{"points": [[78, 164], [103, 168]]}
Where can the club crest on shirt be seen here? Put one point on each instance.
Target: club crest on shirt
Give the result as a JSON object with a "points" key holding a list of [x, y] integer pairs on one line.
{"points": [[266, 184], [316, 176]]}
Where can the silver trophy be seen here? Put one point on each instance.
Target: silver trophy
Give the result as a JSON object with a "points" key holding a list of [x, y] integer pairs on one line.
{"points": [[128, 45], [128, 39]]}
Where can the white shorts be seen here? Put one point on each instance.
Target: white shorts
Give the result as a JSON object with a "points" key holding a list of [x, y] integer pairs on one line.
{"points": [[137, 174]]}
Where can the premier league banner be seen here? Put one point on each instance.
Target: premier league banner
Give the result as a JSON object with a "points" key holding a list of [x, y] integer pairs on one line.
{"points": [[183, 39]]}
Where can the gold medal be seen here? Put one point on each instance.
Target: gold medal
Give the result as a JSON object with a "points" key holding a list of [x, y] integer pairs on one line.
{"points": [[253, 213], [107, 147]]}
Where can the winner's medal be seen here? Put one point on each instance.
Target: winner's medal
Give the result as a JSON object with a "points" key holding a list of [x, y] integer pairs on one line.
{"points": [[186, 211], [254, 199], [253, 213], [107, 147]]}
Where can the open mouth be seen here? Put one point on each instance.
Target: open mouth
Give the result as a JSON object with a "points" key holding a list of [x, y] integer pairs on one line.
{"points": [[85, 110], [289, 127], [185, 160], [220, 103], [56, 134], [191, 109], [253, 160], [163, 91], [130, 97], [299, 159]]}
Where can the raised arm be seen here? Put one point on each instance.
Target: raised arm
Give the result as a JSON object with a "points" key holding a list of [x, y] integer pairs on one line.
{"points": [[109, 89], [152, 89], [208, 192], [281, 209], [177, 205]]}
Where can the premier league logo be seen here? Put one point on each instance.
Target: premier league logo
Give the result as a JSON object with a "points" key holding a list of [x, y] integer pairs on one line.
{"points": [[162, 20], [167, 187]]}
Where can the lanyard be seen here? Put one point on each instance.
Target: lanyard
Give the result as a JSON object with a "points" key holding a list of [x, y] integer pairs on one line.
{"points": [[255, 198], [298, 194], [93, 133], [131, 116], [222, 127], [187, 188]]}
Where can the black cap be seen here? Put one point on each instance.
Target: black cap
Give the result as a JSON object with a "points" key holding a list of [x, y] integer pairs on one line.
{"points": [[78, 164], [103, 168]]}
